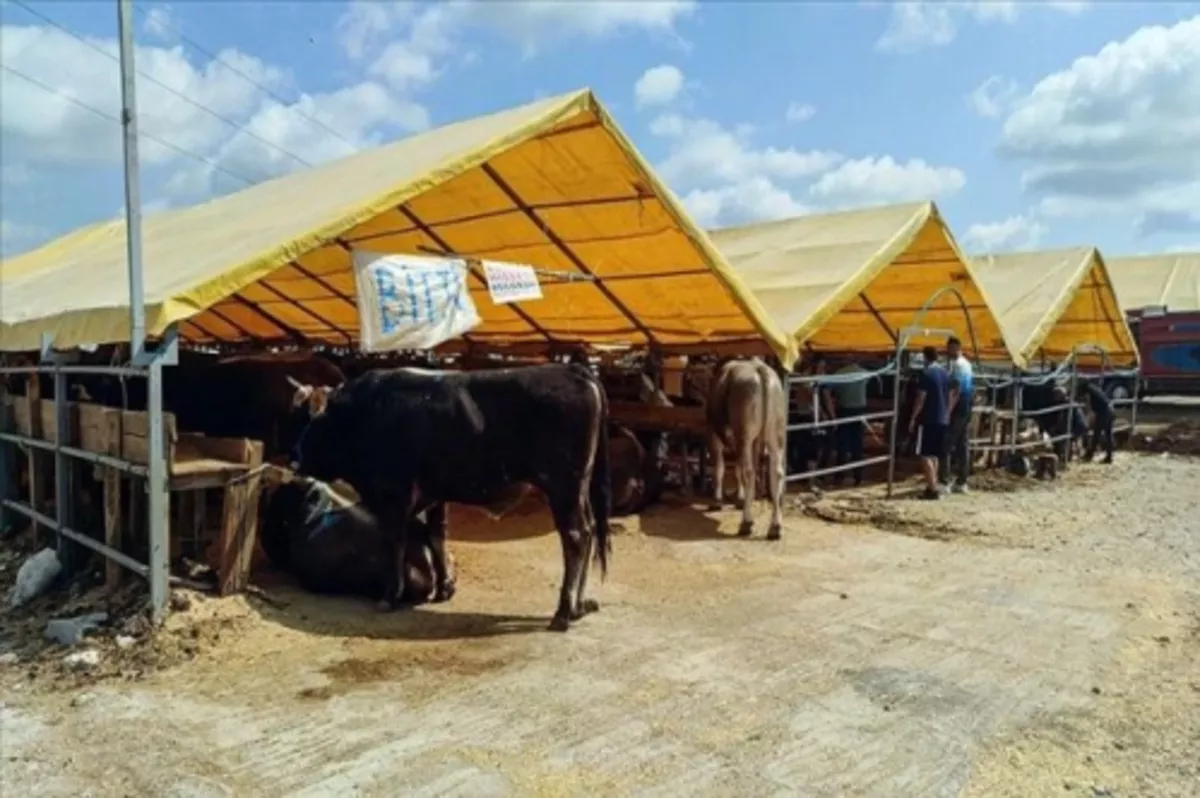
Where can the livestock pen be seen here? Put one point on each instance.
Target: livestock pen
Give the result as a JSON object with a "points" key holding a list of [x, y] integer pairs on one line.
{"points": [[1057, 307], [555, 184], [873, 283]]}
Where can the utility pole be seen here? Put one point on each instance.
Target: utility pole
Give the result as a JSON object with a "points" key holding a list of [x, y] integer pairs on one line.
{"points": [[164, 354], [133, 187]]}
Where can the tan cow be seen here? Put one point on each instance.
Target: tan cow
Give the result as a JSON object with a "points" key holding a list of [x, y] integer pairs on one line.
{"points": [[747, 411]]}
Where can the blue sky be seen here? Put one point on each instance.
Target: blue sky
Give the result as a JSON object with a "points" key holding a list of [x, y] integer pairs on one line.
{"points": [[1031, 124]]}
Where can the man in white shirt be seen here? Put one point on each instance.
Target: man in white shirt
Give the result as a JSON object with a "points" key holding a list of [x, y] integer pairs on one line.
{"points": [[957, 456]]}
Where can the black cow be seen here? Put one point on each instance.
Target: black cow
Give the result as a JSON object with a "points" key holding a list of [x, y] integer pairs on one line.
{"points": [[1043, 396], [335, 546], [409, 440]]}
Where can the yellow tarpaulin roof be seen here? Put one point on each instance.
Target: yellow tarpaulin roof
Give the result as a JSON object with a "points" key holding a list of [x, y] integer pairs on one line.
{"points": [[1053, 300], [554, 184], [850, 281], [1171, 280]]}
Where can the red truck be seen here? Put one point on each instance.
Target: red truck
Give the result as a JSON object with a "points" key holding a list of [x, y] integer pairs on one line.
{"points": [[1169, 347]]}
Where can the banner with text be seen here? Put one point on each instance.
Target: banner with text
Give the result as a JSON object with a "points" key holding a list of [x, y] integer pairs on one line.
{"points": [[411, 302], [511, 282]]}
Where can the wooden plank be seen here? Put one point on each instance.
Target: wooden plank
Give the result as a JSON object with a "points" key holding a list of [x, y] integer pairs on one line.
{"points": [[239, 528], [135, 429], [22, 423], [96, 423], [50, 422], [689, 420], [102, 430]]}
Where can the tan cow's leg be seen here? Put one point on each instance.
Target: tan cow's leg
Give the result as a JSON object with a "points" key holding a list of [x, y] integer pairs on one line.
{"points": [[717, 447], [775, 485], [746, 469]]}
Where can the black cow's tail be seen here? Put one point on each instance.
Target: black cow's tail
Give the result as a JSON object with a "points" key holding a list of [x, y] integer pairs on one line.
{"points": [[600, 490]]}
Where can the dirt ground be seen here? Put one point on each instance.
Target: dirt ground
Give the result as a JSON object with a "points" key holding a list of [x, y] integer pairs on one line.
{"points": [[1026, 639]]}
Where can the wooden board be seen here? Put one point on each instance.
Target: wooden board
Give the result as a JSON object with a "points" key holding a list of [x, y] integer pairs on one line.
{"points": [[97, 427], [689, 420], [239, 525], [135, 432]]}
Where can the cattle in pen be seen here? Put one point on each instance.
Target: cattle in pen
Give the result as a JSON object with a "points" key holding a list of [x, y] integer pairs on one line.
{"points": [[332, 545], [747, 412], [410, 440]]}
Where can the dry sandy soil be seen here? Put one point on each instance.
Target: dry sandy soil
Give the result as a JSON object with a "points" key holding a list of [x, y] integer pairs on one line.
{"points": [[1031, 639]]}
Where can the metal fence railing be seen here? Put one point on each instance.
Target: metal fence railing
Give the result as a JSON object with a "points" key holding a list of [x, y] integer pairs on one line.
{"points": [[152, 475], [823, 424]]}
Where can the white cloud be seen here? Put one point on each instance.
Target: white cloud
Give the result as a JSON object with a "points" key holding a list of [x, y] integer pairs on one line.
{"points": [[1069, 6], [878, 180], [159, 23], [1184, 249], [15, 237], [753, 199], [534, 25], [1117, 132], [800, 112], [366, 23], [915, 26], [412, 59], [1019, 232], [658, 86], [703, 150], [993, 97], [44, 127], [725, 178], [356, 113]]}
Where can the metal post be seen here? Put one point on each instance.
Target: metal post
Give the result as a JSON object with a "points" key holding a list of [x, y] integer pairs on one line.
{"points": [[63, 505], [1017, 387], [1137, 392], [159, 497], [8, 471], [133, 188], [900, 344], [1070, 425]]}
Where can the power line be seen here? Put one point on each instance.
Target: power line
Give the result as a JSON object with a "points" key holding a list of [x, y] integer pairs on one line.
{"points": [[109, 117], [236, 125], [266, 90]]}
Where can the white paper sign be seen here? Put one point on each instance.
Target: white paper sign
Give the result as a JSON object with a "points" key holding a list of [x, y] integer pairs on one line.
{"points": [[411, 302], [511, 282]]}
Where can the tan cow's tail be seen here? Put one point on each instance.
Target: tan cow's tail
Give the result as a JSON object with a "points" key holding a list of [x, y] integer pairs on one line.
{"points": [[769, 400], [716, 409]]}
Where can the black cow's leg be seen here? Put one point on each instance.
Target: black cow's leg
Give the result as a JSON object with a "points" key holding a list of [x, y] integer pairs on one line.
{"points": [[564, 504], [584, 606], [394, 512], [435, 518]]}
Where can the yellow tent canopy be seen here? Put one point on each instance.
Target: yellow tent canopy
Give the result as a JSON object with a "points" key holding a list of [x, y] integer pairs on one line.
{"points": [[554, 184], [851, 281], [1171, 280], [1053, 300]]}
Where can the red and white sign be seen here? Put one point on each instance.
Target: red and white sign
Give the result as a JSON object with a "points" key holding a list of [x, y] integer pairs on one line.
{"points": [[510, 282]]}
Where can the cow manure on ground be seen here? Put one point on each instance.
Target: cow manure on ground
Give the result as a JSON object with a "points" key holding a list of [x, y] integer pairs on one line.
{"points": [[1180, 437], [442, 659], [889, 516]]}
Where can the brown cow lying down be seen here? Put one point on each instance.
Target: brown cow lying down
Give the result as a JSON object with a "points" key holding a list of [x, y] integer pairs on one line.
{"points": [[333, 545], [747, 411]]}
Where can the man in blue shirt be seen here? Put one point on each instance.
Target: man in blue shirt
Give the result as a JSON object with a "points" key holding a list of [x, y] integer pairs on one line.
{"points": [[936, 393], [957, 457]]}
